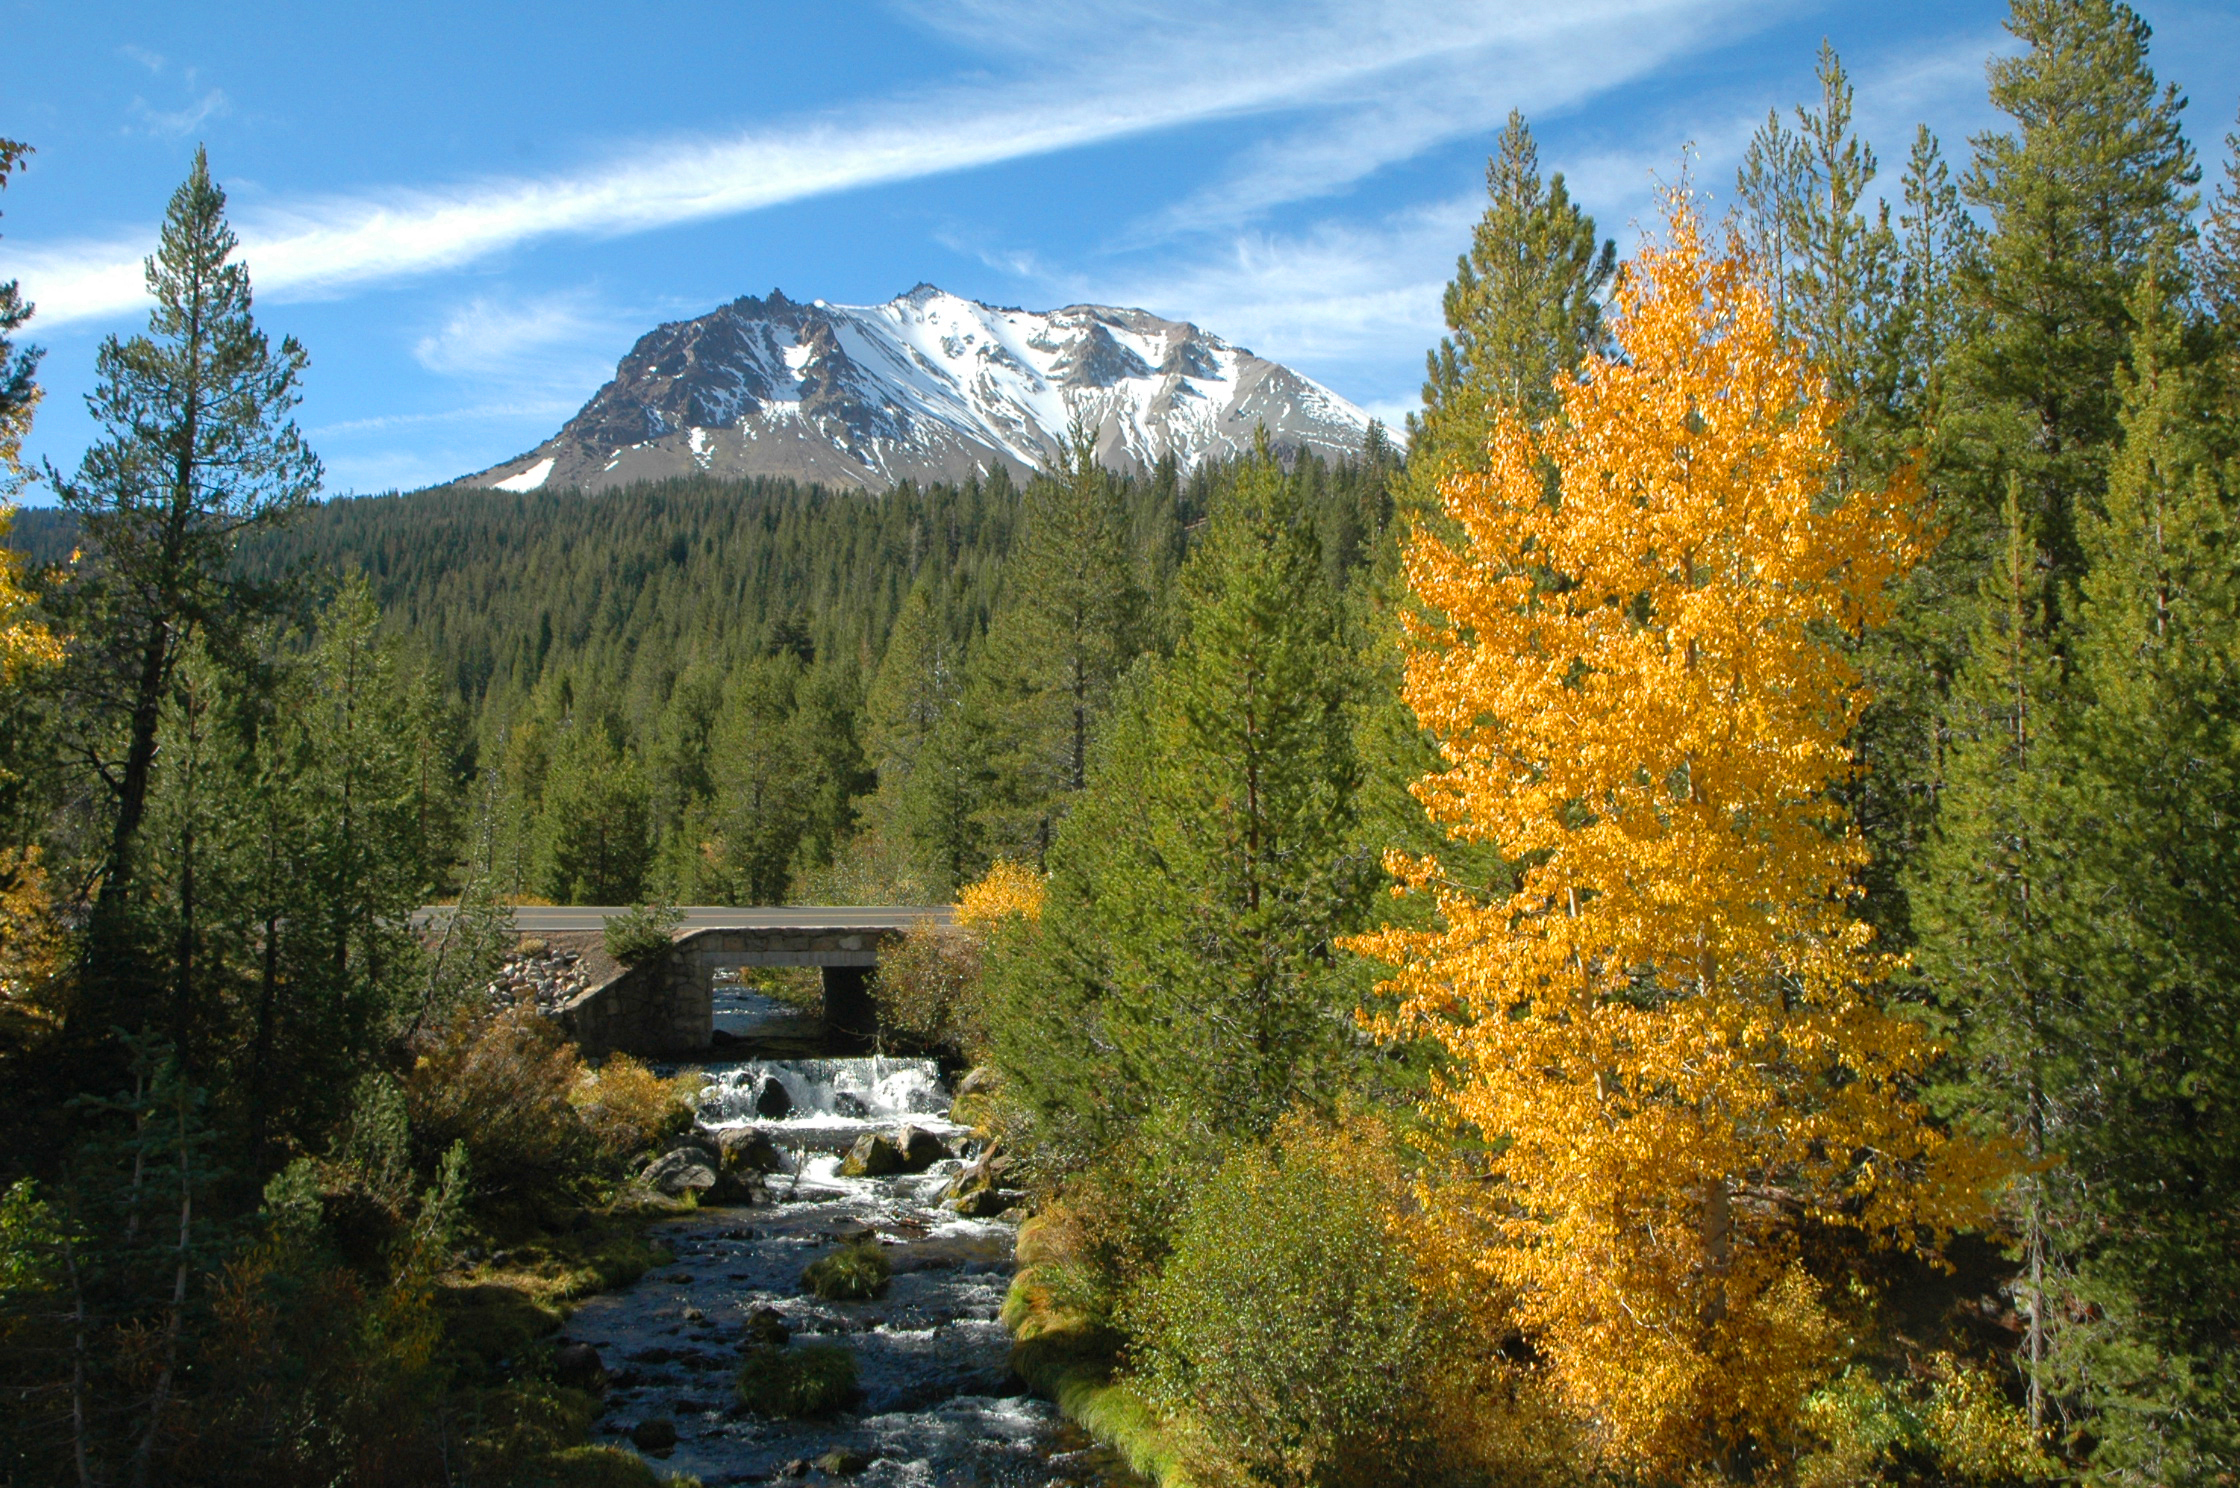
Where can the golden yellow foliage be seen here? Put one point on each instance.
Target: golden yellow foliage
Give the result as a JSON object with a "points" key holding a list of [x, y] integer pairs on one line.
{"points": [[1632, 660], [32, 943], [25, 644], [628, 1108], [1006, 889]]}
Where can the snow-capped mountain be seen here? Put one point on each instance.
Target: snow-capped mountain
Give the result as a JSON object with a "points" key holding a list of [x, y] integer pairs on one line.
{"points": [[926, 387]]}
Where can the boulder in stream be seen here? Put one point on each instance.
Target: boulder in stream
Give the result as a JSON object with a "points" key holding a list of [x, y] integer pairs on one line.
{"points": [[772, 1101], [767, 1328], [577, 1366], [749, 1149], [920, 1149], [681, 1169], [874, 1155], [659, 1437]]}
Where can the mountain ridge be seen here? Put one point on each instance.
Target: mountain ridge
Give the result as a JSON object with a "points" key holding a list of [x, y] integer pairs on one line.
{"points": [[927, 386]]}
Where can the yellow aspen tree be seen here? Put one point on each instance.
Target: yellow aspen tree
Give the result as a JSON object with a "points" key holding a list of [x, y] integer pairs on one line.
{"points": [[1632, 655]]}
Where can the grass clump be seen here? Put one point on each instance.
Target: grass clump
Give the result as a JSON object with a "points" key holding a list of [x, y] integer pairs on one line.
{"points": [[853, 1273], [811, 1379]]}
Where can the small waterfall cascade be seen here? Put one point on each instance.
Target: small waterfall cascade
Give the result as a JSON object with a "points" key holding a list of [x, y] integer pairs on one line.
{"points": [[937, 1402], [821, 1093]]}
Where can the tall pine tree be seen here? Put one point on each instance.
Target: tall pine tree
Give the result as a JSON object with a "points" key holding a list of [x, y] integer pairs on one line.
{"points": [[2093, 183]]}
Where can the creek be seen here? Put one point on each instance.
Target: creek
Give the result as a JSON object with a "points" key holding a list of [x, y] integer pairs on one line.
{"points": [[938, 1401]]}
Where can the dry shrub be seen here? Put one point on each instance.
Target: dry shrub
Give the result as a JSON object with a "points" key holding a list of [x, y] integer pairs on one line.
{"points": [[503, 1083], [928, 990], [628, 1108]]}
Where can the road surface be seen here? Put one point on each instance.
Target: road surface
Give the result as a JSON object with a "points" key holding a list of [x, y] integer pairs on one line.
{"points": [[543, 920]]}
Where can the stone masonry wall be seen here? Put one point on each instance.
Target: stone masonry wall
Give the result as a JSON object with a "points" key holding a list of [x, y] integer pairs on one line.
{"points": [[664, 1008]]}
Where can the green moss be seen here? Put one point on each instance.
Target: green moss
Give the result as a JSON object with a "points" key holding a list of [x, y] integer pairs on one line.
{"points": [[853, 1273], [1068, 1360], [811, 1379]]}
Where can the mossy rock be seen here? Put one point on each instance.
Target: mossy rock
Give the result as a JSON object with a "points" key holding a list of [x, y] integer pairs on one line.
{"points": [[597, 1467], [853, 1273], [792, 1382]]}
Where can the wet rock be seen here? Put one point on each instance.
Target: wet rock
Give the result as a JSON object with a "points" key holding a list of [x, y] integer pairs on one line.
{"points": [[577, 1366], [766, 1327], [843, 1462], [797, 1468], [658, 1437], [987, 1203], [920, 1149], [988, 1171], [750, 1149], [673, 1173], [694, 1315], [772, 1101], [980, 1081], [874, 1156], [850, 1105]]}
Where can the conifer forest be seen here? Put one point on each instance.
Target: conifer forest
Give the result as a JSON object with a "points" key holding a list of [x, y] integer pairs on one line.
{"points": [[1674, 921]]}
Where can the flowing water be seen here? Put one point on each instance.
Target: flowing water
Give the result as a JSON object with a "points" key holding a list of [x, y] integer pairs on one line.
{"points": [[939, 1403]]}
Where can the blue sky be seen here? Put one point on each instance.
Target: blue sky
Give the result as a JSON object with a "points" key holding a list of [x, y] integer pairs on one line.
{"points": [[467, 213]]}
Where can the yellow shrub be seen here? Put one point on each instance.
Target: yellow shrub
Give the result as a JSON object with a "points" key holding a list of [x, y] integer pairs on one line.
{"points": [[628, 1108], [1007, 889]]}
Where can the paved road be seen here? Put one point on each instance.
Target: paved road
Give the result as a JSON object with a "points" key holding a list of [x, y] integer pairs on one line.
{"points": [[532, 920]]}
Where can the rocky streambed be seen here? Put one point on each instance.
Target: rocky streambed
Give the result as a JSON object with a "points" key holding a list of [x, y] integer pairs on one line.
{"points": [[935, 1400]]}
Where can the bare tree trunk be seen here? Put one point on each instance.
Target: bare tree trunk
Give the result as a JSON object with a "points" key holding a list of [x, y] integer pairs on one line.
{"points": [[160, 1399], [78, 1327]]}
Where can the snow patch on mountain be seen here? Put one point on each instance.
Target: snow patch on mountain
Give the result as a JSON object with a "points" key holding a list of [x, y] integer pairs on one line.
{"points": [[927, 386]]}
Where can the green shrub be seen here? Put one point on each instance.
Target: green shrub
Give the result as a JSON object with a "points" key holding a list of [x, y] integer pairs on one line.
{"points": [[928, 990], [853, 1273], [642, 932], [1286, 1326], [810, 1379]]}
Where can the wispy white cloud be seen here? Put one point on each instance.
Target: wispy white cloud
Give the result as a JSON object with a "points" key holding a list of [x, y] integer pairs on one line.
{"points": [[488, 335], [476, 414], [1190, 63], [153, 61], [180, 121]]}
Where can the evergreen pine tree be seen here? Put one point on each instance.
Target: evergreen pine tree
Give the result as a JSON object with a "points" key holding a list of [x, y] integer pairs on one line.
{"points": [[595, 824], [2152, 762], [196, 450], [1522, 310], [2094, 183], [19, 393], [763, 782], [1055, 650], [1200, 884], [1831, 271], [926, 745], [1987, 892]]}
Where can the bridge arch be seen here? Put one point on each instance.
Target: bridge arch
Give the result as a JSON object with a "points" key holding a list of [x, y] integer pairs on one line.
{"points": [[665, 1007]]}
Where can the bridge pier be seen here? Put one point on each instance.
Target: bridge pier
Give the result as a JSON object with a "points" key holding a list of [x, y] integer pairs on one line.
{"points": [[849, 1010]]}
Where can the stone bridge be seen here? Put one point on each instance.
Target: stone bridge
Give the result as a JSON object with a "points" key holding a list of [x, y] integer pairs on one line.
{"points": [[665, 1007]]}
